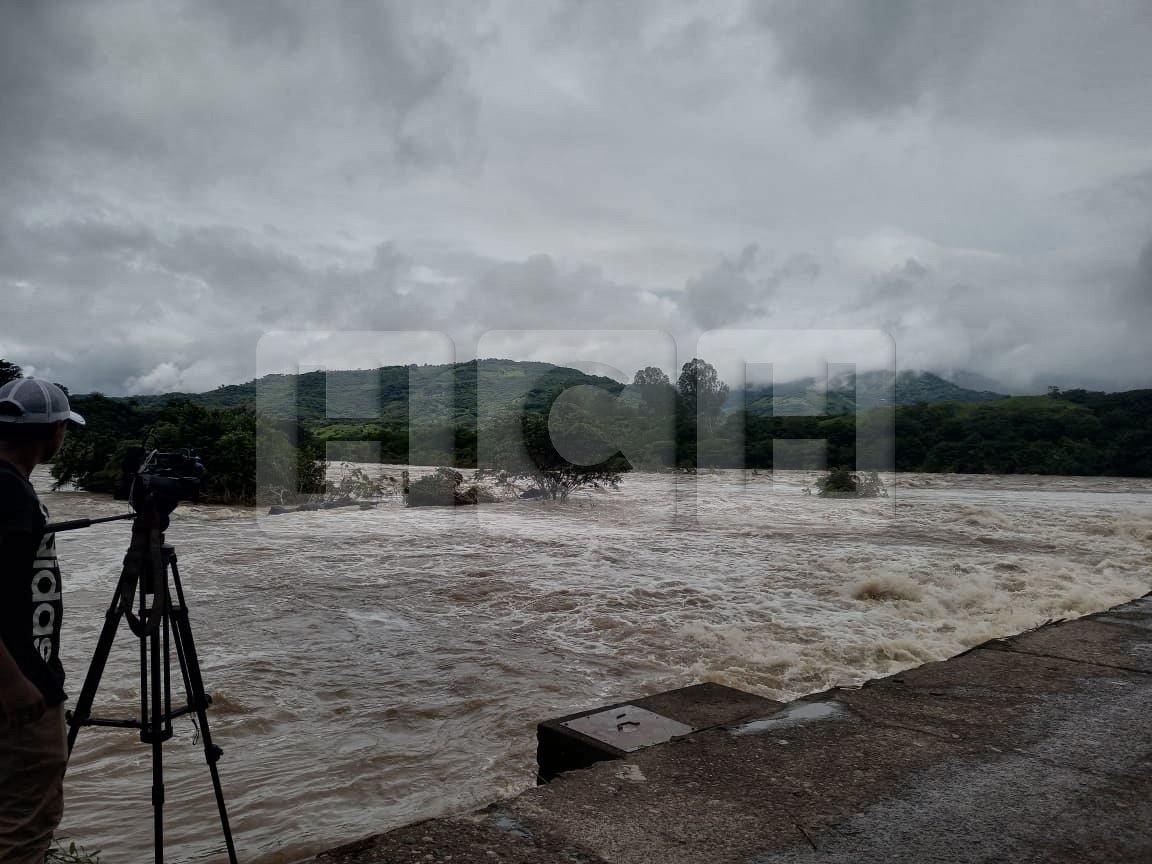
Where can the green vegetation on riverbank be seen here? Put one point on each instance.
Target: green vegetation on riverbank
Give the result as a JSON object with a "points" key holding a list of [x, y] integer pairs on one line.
{"points": [[1074, 433], [568, 427], [226, 439]]}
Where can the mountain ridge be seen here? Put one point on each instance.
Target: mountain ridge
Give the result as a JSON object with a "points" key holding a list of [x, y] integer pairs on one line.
{"points": [[448, 391]]}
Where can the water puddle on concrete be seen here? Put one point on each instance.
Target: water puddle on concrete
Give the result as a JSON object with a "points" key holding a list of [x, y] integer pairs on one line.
{"points": [[794, 715], [1138, 613], [509, 825]]}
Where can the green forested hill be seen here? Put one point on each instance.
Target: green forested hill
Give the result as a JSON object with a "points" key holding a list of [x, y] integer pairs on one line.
{"points": [[434, 415], [438, 392], [451, 392], [412, 412]]}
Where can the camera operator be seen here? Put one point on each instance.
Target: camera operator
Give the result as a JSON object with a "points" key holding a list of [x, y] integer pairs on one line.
{"points": [[34, 416]]}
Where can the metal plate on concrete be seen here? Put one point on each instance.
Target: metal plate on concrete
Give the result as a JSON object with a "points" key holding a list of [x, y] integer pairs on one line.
{"points": [[628, 728]]}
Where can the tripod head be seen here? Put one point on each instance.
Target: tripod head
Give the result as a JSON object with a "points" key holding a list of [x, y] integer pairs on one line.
{"points": [[153, 483], [157, 480]]}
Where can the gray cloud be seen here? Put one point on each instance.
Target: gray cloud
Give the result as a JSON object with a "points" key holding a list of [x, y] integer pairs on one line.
{"points": [[187, 308], [236, 93], [727, 292], [869, 58], [541, 293], [1142, 280], [181, 177], [736, 290], [104, 305], [1124, 195], [1077, 67], [900, 284]]}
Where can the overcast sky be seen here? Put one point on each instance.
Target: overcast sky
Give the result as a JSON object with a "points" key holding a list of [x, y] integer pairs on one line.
{"points": [[180, 179]]}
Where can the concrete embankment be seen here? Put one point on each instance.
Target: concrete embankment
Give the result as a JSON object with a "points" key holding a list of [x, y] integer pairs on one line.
{"points": [[1034, 748]]}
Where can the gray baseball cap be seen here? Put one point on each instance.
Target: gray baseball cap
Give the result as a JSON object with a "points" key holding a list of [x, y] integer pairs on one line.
{"points": [[30, 400]]}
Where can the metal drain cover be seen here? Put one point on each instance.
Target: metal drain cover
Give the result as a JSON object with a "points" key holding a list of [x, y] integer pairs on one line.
{"points": [[628, 728]]}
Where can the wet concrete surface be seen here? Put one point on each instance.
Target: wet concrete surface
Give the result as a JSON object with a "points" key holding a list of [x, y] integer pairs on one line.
{"points": [[1035, 748], [562, 746]]}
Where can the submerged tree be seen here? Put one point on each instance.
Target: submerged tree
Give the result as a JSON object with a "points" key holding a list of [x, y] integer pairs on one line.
{"points": [[557, 455], [442, 488], [842, 483]]}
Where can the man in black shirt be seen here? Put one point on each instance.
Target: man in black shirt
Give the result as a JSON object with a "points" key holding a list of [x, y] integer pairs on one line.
{"points": [[34, 416]]}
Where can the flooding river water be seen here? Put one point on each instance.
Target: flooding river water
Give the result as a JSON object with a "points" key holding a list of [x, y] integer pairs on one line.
{"points": [[374, 667]]}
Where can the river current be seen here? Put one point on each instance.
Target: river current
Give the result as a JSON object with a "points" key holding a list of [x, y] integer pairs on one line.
{"points": [[374, 667]]}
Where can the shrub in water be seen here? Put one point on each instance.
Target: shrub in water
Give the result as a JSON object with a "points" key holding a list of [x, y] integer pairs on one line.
{"points": [[442, 489], [842, 483]]}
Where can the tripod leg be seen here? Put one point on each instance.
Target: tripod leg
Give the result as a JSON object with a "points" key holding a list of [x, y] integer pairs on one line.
{"points": [[198, 699], [153, 720], [82, 713]]}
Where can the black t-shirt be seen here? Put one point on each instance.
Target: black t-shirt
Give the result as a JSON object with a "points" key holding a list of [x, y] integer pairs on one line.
{"points": [[31, 607]]}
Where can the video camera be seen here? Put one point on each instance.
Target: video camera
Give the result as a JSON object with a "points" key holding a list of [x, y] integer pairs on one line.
{"points": [[168, 477]]}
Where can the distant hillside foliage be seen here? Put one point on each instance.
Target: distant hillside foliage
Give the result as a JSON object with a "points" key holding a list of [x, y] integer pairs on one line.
{"points": [[443, 415]]}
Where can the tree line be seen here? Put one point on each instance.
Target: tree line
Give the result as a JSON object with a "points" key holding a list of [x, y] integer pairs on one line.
{"points": [[224, 438], [566, 430], [684, 425]]}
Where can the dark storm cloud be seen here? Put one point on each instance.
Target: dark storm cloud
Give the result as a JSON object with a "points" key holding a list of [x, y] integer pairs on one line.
{"points": [[196, 93], [182, 176], [874, 57], [1033, 65], [39, 54]]}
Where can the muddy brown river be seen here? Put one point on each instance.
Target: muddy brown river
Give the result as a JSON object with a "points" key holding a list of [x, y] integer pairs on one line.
{"points": [[375, 667]]}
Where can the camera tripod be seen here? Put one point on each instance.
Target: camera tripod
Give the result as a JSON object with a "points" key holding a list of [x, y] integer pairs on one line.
{"points": [[161, 624]]}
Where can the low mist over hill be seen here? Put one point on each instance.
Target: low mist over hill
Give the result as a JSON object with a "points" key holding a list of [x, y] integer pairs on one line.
{"points": [[851, 392]]}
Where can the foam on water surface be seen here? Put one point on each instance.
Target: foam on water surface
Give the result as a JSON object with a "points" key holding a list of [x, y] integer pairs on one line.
{"points": [[375, 667]]}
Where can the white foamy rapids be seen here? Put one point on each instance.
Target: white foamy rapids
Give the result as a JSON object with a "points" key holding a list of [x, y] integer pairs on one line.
{"points": [[373, 667]]}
